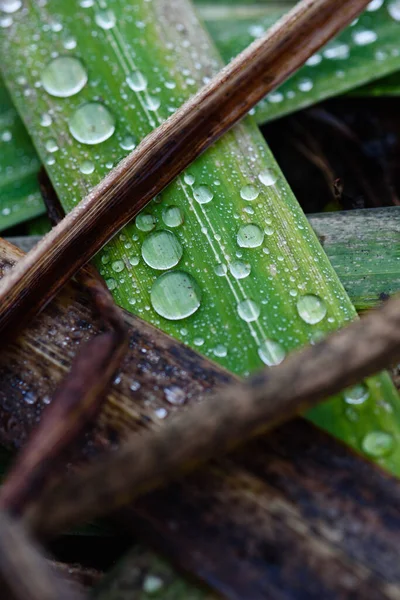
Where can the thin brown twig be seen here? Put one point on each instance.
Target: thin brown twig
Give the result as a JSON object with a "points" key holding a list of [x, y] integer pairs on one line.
{"points": [[26, 574], [166, 152], [237, 413]]}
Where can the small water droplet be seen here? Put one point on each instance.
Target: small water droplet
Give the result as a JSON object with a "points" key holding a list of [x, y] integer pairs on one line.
{"points": [[202, 194], [145, 222], [249, 193], [161, 413], [137, 81], [30, 398], [268, 177], [374, 5], [188, 178], [250, 236], [105, 19], [6, 136], [248, 310], [271, 353], [306, 85], [314, 60], [357, 394], [118, 266], [175, 295], [198, 341], [172, 216], [128, 143], [87, 167], [220, 350], [239, 269], [135, 386], [162, 250], [337, 50], [5, 21], [51, 146], [64, 76], [394, 9], [311, 308], [111, 284], [10, 6], [175, 395], [152, 102], [378, 443], [364, 37], [92, 123], [46, 120]]}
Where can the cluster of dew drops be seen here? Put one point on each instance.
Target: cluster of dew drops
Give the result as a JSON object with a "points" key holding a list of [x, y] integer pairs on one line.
{"points": [[175, 294]]}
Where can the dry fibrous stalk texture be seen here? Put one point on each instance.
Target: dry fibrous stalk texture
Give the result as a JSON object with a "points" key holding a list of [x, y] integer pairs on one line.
{"points": [[25, 574], [267, 508], [166, 152]]}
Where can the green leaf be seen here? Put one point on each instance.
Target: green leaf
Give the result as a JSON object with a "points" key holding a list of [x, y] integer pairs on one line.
{"points": [[224, 258], [387, 86], [20, 198], [366, 51]]}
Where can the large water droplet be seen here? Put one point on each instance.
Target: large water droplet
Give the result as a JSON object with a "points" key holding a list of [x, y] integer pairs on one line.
{"points": [[145, 222], [64, 76], [175, 295], [239, 269], [202, 194], [394, 9], [137, 81], [364, 37], [249, 193], [105, 19], [250, 236], [162, 250], [271, 353], [268, 177], [378, 444], [92, 123], [172, 216], [357, 394], [10, 6], [248, 310], [311, 308]]}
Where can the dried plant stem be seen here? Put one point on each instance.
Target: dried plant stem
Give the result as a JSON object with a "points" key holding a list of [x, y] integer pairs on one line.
{"points": [[237, 413], [25, 574], [166, 152]]}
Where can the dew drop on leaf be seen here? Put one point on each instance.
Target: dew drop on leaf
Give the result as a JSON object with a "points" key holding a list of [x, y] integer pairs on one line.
{"points": [[378, 443], [172, 216], [202, 194], [175, 295], [250, 236], [64, 76], [92, 123], [137, 81], [248, 310], [162, 250], [145, 222], [105, 19], [271, 353], [357, 394], [249, 193], [311, 308]]}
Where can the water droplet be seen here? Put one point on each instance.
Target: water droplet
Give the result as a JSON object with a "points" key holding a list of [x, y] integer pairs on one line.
{"points": [[220, 350], [64, 76], [152, 102], [118, 266], [172, 216], [202, 194], [250, 236], [378, 443], [10, 6], [357, 394], [271, 353], [175, 395], [394, 9], [5, 21], [128, 143], [268, 177], [374, 5], [135, 386], [365, 37], [105, 19], [69, 43], [137, 81], [306, 85], [162, 250], [175, 295], [6, 136], [30, 398], [161, 413], [249, 193], [145, 222], [152, 584], [198, 341], [221, 270], [51, 146], [239, 269], [314, 60], [87, 167], [311, 308], [92, 123], [46, 120], [337, 50], [188, 178], [248, 310]]}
